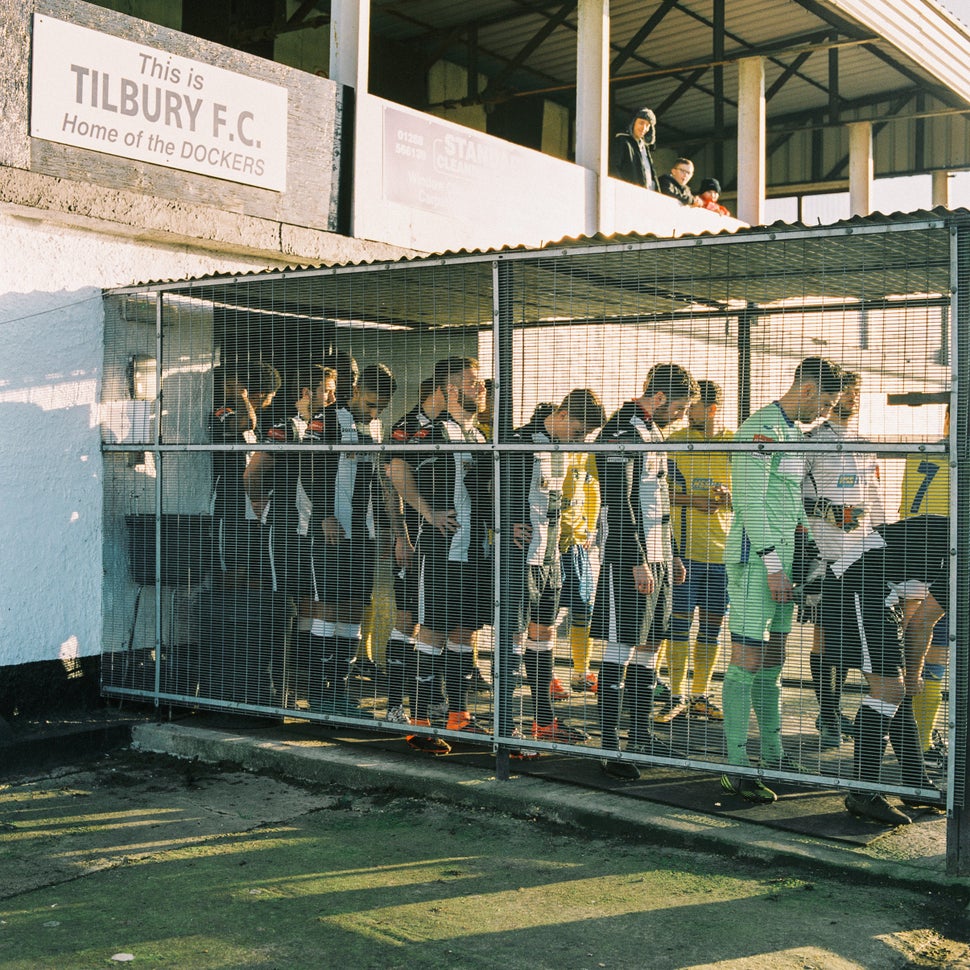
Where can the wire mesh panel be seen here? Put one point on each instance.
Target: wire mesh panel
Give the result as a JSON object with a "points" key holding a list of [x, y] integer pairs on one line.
{"points": [[681, 502]]}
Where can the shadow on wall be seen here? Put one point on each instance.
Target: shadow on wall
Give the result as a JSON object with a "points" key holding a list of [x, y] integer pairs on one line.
{"points": [[46, 687], [50, 483]]}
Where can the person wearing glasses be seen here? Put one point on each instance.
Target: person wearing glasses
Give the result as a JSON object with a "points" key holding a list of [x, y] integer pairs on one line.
{"points": [[677, 183]]}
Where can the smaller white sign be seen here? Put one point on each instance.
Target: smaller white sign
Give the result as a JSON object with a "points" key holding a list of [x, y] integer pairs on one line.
{"points": [[106, 94]]}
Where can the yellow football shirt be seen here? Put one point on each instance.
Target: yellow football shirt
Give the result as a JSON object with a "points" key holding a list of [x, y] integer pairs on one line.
{"points": [[580, 500], [700, 536], [926, 486]]}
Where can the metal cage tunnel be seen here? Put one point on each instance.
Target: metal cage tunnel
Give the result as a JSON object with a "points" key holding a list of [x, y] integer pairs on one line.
{"points": [[205, 611]]}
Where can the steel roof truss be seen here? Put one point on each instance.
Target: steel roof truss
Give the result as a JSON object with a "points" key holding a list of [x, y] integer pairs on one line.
{"points": [[633, 44], [531, 45]]}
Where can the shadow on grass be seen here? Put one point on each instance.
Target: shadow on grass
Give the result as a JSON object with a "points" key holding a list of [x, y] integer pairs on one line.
{"points": [[372, 883]]}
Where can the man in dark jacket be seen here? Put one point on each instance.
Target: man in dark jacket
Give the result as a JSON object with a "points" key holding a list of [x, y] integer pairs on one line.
{"points": [[677, 183], [630, 152]]}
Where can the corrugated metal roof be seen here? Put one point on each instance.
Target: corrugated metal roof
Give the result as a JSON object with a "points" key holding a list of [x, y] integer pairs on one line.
{"points": [[624, 277], [920, 29]]}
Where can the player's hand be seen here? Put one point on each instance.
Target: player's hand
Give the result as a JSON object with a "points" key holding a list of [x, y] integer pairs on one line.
{"points": [[913, 681], [521, 535], [679, 574], [445, 521], [721, 497], [332, 531], [643, 577], [713, 501], [780, 587], [403, 551]]}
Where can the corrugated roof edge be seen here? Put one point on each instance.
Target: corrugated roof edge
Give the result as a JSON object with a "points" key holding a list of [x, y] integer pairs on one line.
{"points": [[875, 219]]}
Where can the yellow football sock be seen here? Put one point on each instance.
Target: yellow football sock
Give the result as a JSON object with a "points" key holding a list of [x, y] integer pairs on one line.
{"points": [[366, 649], [580, 646], [705, 657], [926, 706], [678, 654]]}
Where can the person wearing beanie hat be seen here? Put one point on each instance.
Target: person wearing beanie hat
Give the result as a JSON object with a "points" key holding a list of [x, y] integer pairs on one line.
{"points": [[708, 196], [630, 157]]}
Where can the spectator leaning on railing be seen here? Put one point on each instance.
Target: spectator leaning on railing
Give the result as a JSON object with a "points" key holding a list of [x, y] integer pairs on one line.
{"points": [[630, 157], [709, 194], [677, 183]]}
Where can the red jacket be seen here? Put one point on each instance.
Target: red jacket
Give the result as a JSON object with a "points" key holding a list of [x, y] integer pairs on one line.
{"points": [[706, 202]]}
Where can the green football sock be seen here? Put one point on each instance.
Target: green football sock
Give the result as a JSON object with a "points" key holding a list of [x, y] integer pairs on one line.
{"points": [[766, 701], [736, 698]]}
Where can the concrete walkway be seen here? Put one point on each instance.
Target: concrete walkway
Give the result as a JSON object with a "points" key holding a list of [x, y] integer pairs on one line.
{"points": [[914, 855]]}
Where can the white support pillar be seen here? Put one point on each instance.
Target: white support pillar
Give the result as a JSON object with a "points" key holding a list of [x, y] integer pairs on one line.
{"points": [[350, 43], [941, 190], [752, 140], [592, 105], [860, 168]]}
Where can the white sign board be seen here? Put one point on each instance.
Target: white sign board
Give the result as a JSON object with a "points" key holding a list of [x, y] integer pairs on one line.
{"points": [[106, 94], [441, 185], [430, 165]]}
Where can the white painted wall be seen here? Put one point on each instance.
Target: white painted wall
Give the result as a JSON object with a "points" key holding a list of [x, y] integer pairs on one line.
{"points": [[629, 208], [51, 326], [432, 185]]}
